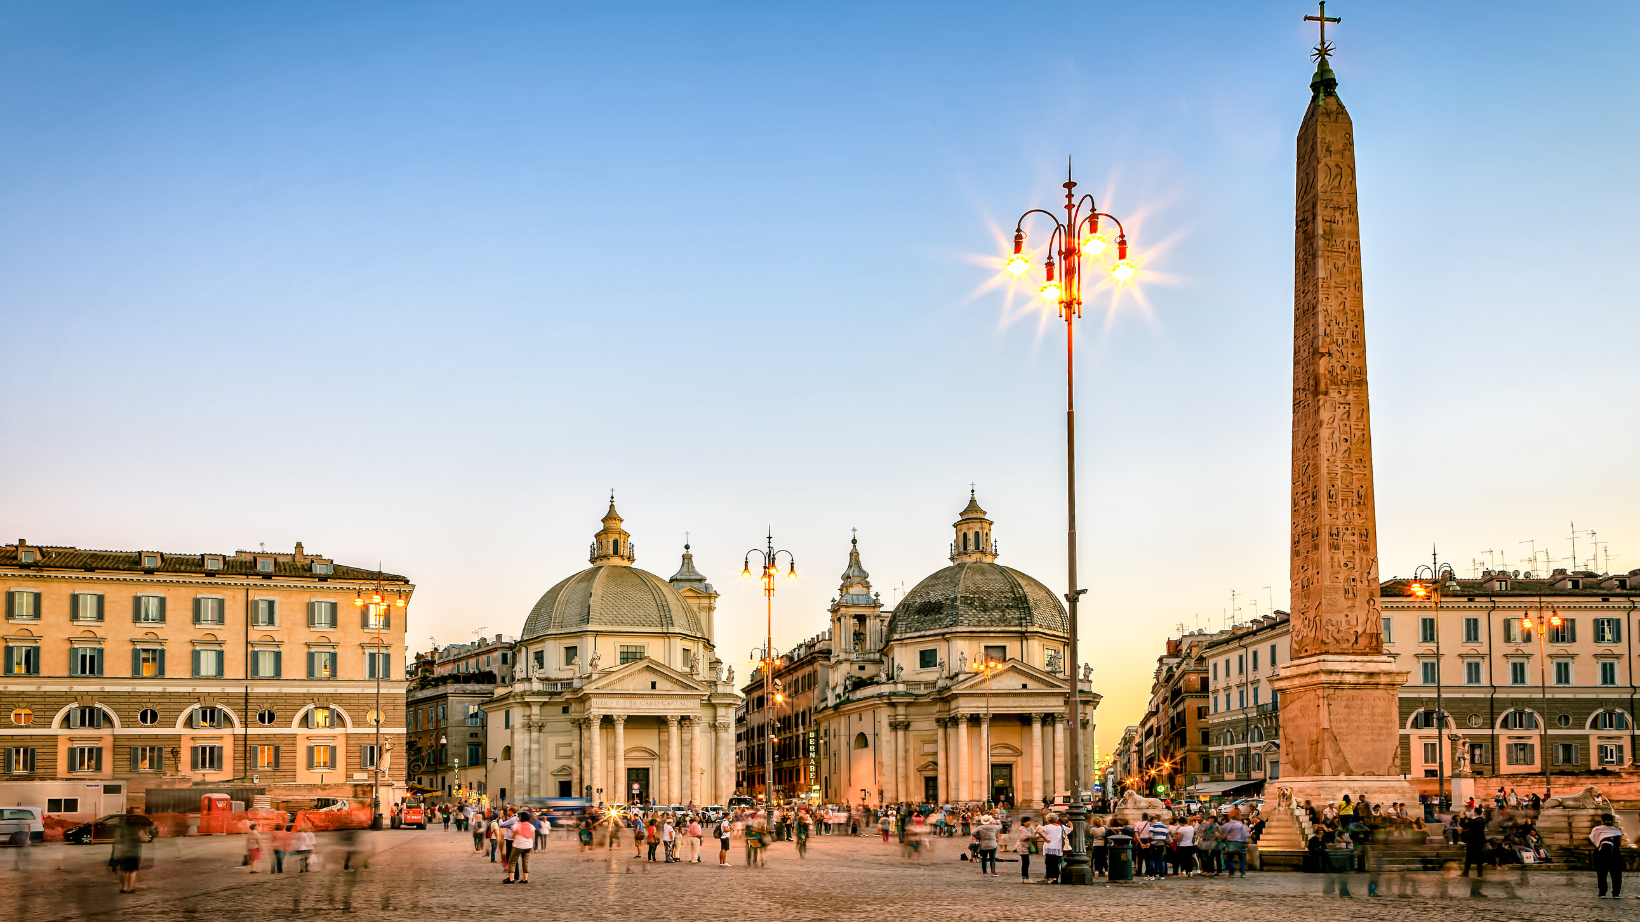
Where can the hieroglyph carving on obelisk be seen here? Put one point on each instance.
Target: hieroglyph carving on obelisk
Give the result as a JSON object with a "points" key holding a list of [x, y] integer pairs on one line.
{"points": [[1334, 535]]}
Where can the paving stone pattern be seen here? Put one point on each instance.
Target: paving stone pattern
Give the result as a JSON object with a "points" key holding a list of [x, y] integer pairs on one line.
{"points": [[434, 874]]}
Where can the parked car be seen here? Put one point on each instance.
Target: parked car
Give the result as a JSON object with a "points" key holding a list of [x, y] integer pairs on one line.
{"points": [[102, 830], [19, 825]]}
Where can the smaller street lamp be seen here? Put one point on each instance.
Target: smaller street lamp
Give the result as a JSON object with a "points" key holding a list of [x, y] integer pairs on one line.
{"points": [[987, 666], [378, 618], [1543, 680]]}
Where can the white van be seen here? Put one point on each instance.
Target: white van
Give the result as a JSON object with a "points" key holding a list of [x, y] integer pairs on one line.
{"points": [[17, 823]]}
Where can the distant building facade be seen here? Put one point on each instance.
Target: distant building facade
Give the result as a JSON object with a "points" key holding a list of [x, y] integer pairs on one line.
{"points": [[799, 682], [1243, 720]]}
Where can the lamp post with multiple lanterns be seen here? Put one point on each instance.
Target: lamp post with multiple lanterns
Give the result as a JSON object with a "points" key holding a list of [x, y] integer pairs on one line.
{"points": [[1075, 238], [377, 612], [770, 569]]}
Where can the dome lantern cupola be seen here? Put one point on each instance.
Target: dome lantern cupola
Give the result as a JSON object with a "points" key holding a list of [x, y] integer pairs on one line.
{"points": [[855, 588], [612, 546], [973, 541]]}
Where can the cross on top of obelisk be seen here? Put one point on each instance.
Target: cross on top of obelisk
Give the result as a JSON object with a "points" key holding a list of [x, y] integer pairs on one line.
{"points": [[1322, 49]]}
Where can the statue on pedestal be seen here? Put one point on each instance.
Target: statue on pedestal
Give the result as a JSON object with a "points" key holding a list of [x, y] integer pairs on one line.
{"points": [[592, 664]]}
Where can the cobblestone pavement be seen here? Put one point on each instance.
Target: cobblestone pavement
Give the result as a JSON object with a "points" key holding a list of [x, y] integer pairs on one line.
{"points": [[435, 874]]}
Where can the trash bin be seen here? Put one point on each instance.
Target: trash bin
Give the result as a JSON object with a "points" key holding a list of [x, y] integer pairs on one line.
{"points": [[1120, 855]]}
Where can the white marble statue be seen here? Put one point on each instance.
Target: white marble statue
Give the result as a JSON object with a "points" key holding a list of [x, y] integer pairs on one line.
{"points": [[962, 661], [731, 677], [592, 664]]}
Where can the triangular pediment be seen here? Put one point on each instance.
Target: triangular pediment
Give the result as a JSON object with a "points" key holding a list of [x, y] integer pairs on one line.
{"points": [[645, 675], [1013, 676], [929, 766], [563, 770]]}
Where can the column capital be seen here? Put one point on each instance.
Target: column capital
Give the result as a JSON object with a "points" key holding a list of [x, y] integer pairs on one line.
{"points": [[985, 719], [618, 718], [1036, 718], [672, 720]]}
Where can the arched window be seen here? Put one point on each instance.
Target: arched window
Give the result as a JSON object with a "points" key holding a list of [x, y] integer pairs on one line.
{"points": [[615, 546], [1609, 720], [965, 542], [506, 753], [1520, 720], [1425, 720], [1257, 734], [860, 741]]}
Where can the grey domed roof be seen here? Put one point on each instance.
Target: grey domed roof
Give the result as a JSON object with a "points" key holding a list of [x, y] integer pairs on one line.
{"points": [[612, 597], [978, 594]]}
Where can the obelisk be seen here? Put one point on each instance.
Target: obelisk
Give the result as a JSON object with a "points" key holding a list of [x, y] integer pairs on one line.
{"points": [[1340, 731]]}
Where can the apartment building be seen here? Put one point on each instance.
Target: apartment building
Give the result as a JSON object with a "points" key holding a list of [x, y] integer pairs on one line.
{"points": [[126, 670], [1527, 668]]}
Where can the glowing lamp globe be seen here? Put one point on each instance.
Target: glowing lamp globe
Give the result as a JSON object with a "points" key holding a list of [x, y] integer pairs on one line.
{"points": [[1017, 264], [1049, 291], [1123, 270], [1094, 244]]}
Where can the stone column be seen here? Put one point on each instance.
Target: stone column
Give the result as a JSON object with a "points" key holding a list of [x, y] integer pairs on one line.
{"points": [[913, 778], [534, 735], [885, 762], [595, 733], [575, 760], [941, 766], [618, 783], [725, 761], [1036, 759], [964, 756], [1060, 779], [674, 793], [697, 781], [985, 759]]}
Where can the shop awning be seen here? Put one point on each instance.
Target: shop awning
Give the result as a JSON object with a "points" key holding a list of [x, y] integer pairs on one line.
{"points": [[1222, 787]]}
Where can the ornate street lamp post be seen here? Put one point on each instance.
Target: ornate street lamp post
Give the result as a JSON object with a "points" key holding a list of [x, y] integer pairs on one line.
{"points": [[770, 569], [1078, 236], [377, 613]]}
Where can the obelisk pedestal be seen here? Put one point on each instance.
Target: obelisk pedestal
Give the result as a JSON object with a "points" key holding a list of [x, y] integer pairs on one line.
{"points": [[1340, 729]]}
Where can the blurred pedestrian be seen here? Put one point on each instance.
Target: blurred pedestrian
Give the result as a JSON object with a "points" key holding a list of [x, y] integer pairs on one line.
{"points": [[305, 842], [126, 856], [253, 847], [281, 847]]}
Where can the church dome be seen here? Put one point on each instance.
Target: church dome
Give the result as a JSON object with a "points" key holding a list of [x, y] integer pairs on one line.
{"points": [[615, 598], [981, 595], [976, 591], [614, 595]]}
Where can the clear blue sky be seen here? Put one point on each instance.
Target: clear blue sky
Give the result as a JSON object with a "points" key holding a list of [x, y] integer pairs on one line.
{"points": [[421, 282]]}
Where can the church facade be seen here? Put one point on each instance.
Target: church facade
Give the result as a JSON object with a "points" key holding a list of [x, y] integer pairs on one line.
{"points": [[616, 693], [957, 695]]}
